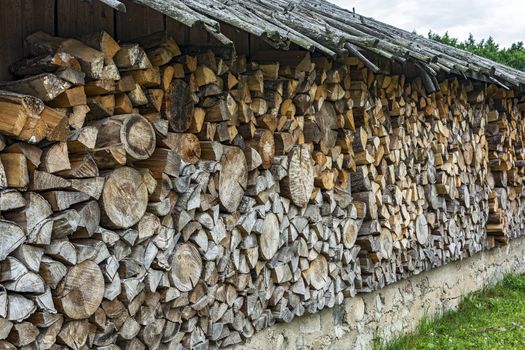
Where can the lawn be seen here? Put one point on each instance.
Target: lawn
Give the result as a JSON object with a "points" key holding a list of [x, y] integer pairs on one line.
{"points": [[487, 320]]}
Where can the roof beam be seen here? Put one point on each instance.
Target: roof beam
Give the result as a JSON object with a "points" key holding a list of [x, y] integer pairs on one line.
{"points": [[117, 5]]}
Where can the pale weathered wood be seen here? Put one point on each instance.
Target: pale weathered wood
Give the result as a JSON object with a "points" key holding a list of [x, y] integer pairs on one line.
{"points": [[299, 183], [12, 236], [19, 307], [186, 267], [80, 293], [233, 179], [191, 200], [91, 60], [270, 236], [422, 233], [349, 233], [124, 198]]}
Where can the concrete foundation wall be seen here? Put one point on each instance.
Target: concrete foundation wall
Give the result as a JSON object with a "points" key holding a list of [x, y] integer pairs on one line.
{"points": [[394, 309]]}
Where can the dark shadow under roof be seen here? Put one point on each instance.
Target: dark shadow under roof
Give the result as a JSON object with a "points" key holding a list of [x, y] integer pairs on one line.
{"points": [[317, 25]]}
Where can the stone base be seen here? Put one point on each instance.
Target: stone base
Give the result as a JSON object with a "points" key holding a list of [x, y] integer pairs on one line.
{"points": [[395, 309]]}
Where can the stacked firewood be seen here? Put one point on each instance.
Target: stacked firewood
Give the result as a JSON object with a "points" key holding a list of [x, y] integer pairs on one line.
{"points": [[153, 195], [505, 134], [426, 189]]}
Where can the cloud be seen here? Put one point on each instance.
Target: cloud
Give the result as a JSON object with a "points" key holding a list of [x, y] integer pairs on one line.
{"points": [[482, 18]]}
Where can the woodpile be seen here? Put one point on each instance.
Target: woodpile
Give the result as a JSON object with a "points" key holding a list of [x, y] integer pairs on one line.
{"points": [[152, 196]]}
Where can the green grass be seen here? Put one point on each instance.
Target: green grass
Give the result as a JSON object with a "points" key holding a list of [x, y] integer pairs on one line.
{"points": [[487, 320]]}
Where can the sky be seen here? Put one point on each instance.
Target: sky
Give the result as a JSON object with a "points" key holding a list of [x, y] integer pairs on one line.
{"points": [[502, 19]]}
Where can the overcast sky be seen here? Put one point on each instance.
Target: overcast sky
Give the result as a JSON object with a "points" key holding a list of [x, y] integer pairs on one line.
{"points": [[501, 19]]}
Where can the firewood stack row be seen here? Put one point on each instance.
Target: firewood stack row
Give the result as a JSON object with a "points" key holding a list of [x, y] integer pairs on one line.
{"points": [[505, 134], [431, 182], [155, 196]]}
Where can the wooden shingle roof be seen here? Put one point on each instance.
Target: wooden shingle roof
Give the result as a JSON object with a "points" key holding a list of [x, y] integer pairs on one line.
{"points": [[318, 25]]}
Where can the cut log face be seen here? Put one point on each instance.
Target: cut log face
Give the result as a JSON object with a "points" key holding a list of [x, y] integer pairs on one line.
{"points": [[186, 267], [317, 273], [44, 86], [80, 293], [124, 198], [131, 132], [386, 243], [299, 183], [11, 236], [265, 146], [233, 179], [349, 233], [326, 119], [269, 239], [23, 334], [28, 283], [15, 169], [19, 307], [138, 137], [178, 105], [422, 233], [188, 148]]}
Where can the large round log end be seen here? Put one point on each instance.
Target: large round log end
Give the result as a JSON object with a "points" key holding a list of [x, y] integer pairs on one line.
{"points": [[124, 198], [186, 267], [138, 137], [80, 293]]}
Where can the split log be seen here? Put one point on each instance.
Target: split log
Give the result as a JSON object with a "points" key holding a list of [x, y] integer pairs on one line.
{"points": [[263, 141], [178, 105], [422, 232], [270, 236], [233, 179], [56, 158], [186, 145], [299, 183], [317, 274], [131, 57], [46, 63], [12, 237], [91, 60], [131, 131], [103, 42], [19, 307], [45, 86], [71, 97], [15, 168], [349, 233], [16, 110]]}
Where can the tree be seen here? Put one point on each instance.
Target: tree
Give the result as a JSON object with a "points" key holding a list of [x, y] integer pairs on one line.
{"points": [[513, 56]]}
